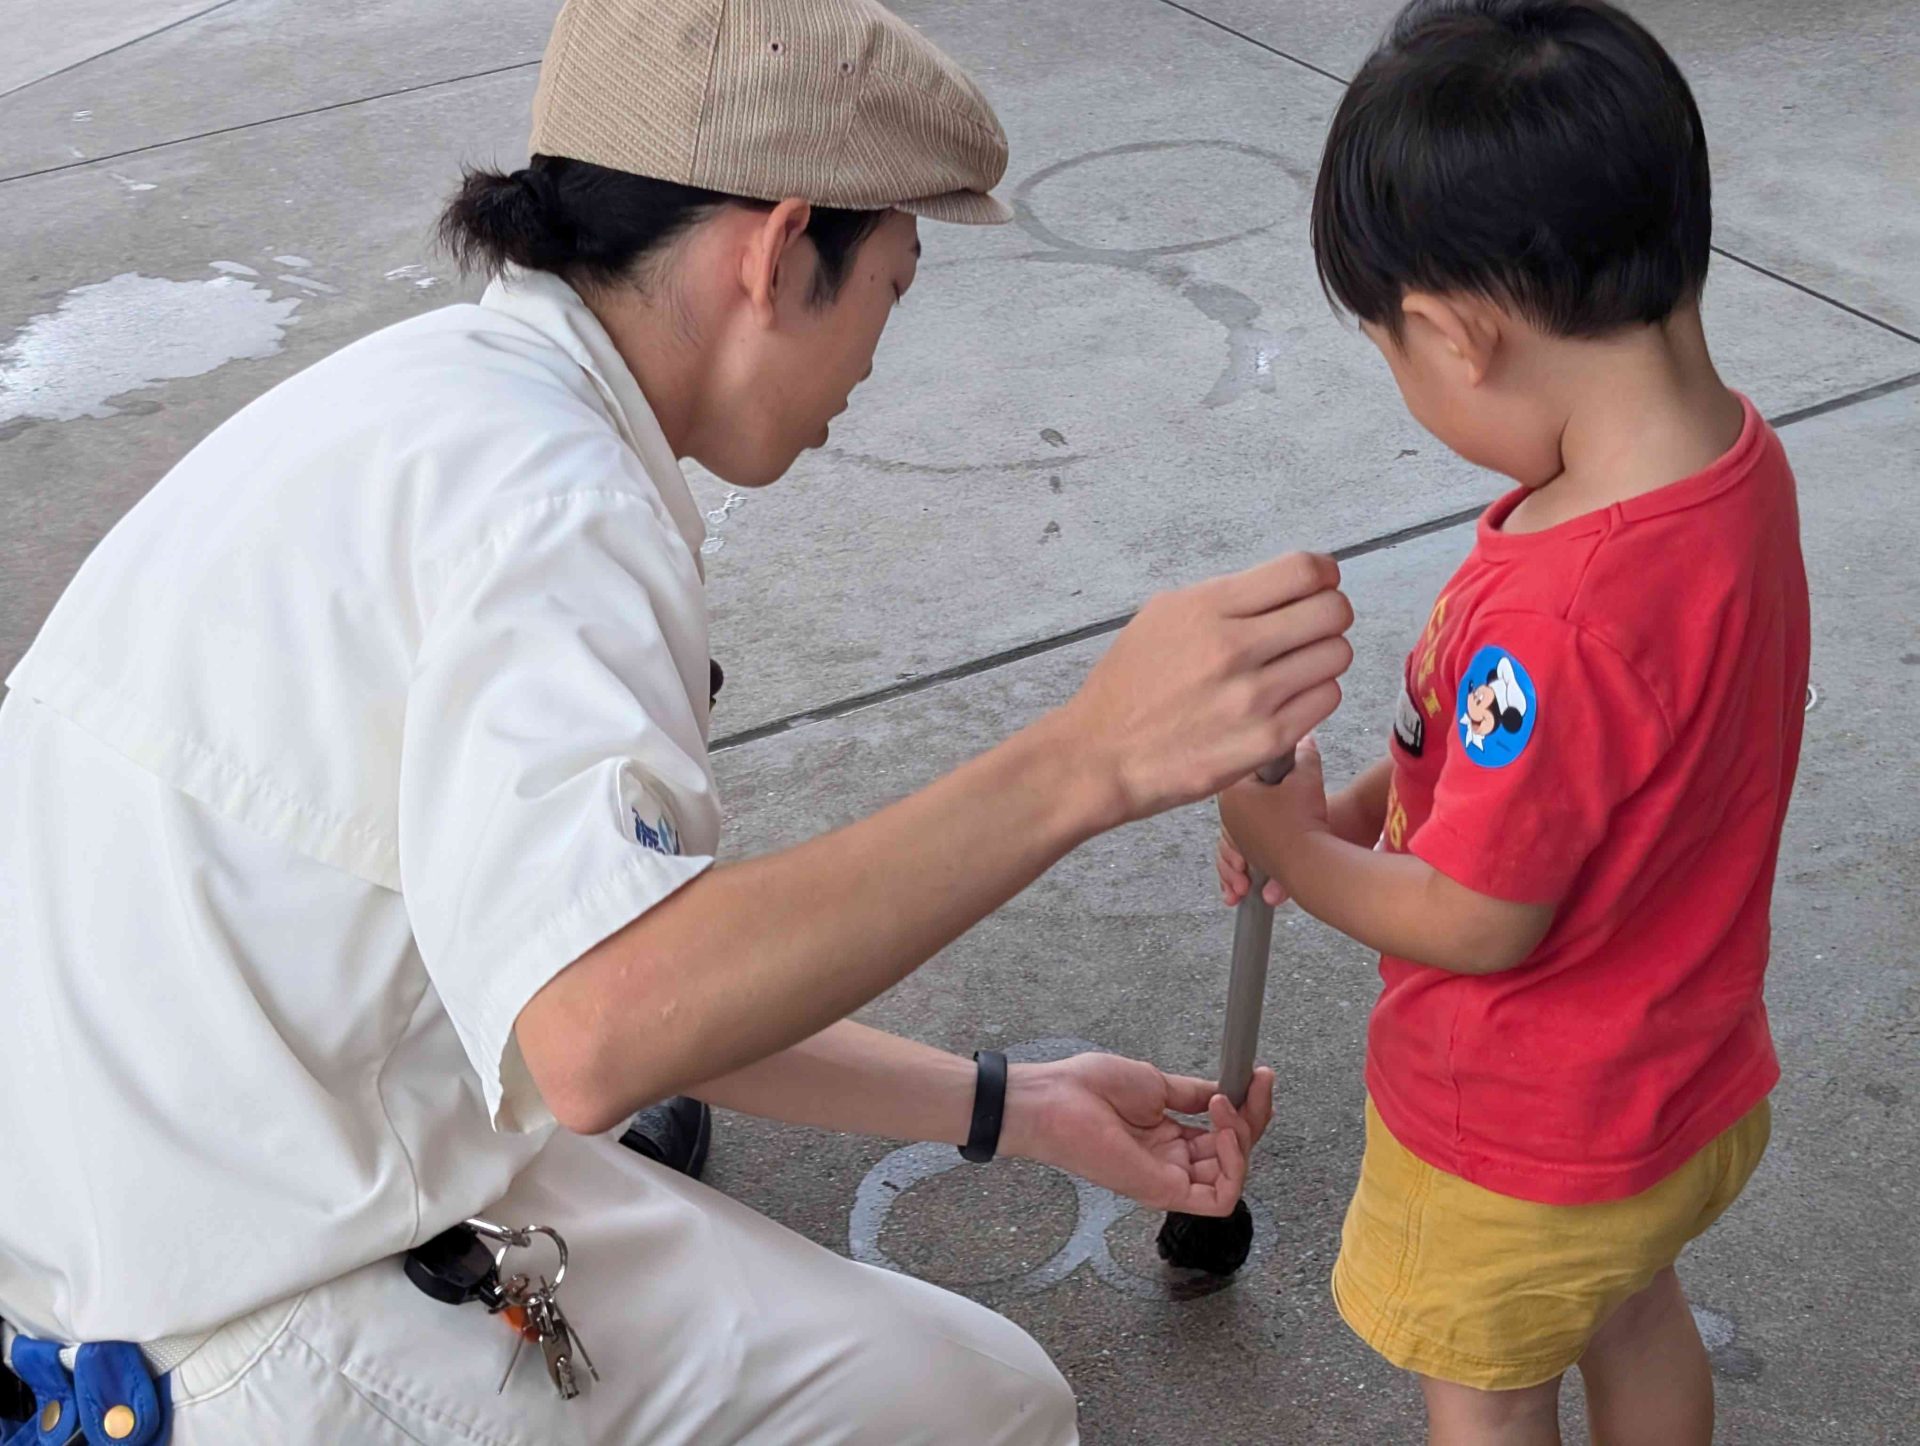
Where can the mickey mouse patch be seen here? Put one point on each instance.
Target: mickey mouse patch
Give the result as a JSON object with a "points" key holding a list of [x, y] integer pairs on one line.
{"points": [[1497, 708]]}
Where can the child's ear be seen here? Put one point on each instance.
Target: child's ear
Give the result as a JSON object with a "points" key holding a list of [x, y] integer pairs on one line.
{"points": [[1462, 327]]}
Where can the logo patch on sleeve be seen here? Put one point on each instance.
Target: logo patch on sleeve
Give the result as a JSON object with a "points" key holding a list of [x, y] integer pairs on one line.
{"points": [[648, 821], [1497, 708], [659, 836], [1408, 726]]}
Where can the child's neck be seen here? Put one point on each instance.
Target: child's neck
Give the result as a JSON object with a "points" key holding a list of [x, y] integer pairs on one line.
{"points": [[1642, 410]]}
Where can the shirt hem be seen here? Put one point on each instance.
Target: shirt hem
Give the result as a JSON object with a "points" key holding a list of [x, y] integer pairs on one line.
{"points": [[593, 915], [1548, 1184]]}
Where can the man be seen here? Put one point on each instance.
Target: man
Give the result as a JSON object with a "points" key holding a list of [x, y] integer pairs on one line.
{"points": [[357, 825]]}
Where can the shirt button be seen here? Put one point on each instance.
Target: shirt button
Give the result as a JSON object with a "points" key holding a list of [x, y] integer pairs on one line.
{"points": [[119, 1422], [49, 1418]]}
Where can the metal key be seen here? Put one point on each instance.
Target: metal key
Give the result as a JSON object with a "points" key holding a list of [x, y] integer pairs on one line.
{"points": [[517, 1293], [559, 1342]]}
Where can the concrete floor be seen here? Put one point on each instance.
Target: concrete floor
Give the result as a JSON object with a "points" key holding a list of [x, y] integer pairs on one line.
{"points": [[1137, 385]]}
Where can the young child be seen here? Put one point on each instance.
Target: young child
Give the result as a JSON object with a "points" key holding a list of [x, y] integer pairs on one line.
{"points": [[1567, 861]]}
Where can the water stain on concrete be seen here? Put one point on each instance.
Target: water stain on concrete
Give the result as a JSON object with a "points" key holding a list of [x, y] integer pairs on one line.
{"points": [[951, 469], [308, 283], [1720, 1335], [1251, 349], [129, 333]]}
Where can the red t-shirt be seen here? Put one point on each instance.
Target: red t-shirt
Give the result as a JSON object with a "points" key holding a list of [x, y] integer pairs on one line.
{"points": [[1605, 716]]}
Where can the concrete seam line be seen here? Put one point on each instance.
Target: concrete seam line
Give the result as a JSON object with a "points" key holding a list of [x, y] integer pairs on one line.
{"points": [[973, 667], [1832, 301], [266, 121], [116, 49], [1257, 44], [1342, 81]]}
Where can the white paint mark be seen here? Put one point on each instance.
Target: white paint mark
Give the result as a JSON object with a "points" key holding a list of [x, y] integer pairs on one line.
{"points": [[717, 519], [309, 284], [233, 268], [76, 153], [83, 115], [131, 184], [132, 332], [293, 261], [427, 283], [402, 273], [1716, 1329], [1097, 1211], [734, 501]]}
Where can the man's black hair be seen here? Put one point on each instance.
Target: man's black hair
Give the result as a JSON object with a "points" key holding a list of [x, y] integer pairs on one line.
{"points": [[596, 227], [1544, 154]]}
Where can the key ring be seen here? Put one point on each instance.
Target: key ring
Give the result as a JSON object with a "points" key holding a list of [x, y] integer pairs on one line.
{"points": [[509, 1238]]}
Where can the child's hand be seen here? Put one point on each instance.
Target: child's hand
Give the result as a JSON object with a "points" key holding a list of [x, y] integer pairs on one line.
{"points": [[1272, 815], [1231, 865]]}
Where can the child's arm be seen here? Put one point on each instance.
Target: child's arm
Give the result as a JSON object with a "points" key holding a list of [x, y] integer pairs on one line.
{"points": [[1356, 813], [1394, 903]]}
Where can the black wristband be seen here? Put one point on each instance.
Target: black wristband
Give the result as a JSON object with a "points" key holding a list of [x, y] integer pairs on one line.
{"points": [[989, 1105]]}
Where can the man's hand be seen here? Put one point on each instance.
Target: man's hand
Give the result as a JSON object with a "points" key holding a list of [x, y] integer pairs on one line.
{"points": [[1208, 683], [1106, 1119]]}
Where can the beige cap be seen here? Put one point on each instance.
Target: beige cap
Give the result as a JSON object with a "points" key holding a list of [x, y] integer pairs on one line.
{"points": [[838, 102]]}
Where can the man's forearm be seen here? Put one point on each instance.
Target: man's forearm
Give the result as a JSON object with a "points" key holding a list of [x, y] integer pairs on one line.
{"points": [[754, 957], [856, 1080]]}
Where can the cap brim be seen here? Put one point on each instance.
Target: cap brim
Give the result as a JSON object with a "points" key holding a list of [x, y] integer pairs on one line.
{"points": [[962, 208]]}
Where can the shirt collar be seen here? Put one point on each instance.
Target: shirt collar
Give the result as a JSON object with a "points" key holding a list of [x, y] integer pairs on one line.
{"points": [[553, 308]]}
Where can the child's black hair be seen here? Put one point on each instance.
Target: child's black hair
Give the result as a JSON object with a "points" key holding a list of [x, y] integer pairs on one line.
{"points": [[1545, 154]]}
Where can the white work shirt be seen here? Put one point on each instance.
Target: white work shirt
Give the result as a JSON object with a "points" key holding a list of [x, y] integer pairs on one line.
{"points": [[386, 704]]}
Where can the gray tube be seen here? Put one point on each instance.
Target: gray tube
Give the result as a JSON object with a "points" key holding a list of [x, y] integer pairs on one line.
{"points": [[1247, 983]]}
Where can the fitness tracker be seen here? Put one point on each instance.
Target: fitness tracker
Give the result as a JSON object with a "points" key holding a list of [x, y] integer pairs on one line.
{"points": [[989, 1105]]}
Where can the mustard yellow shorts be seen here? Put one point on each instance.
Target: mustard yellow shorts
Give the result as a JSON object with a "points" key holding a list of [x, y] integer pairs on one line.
{"points": [[1455, 1282]]}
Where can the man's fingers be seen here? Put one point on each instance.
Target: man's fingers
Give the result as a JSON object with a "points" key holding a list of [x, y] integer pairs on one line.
{"points": [[1258, 1109], [1303, 668], [1300, 715], [1274, 584], [1322, 618], [1189, 1096], [1233, 1165], [1226, 1120]]}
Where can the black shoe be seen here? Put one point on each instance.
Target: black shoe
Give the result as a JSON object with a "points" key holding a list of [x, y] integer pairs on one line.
{"points": [[675, 1132]]}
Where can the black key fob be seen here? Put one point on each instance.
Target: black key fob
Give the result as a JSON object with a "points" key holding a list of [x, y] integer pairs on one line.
{"points": [[455, 1267]]}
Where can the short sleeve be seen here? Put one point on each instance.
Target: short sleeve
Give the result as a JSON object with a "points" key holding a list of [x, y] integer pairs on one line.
{"points": [[1551, 731], [553, 783]]}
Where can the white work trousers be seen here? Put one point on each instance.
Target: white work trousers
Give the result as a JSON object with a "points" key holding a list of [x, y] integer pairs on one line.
{"points": [[709, 1324]]}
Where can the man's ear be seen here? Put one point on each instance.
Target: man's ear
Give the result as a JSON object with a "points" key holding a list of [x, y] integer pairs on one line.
{"points": [[1463, 329], [765, 260]]}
